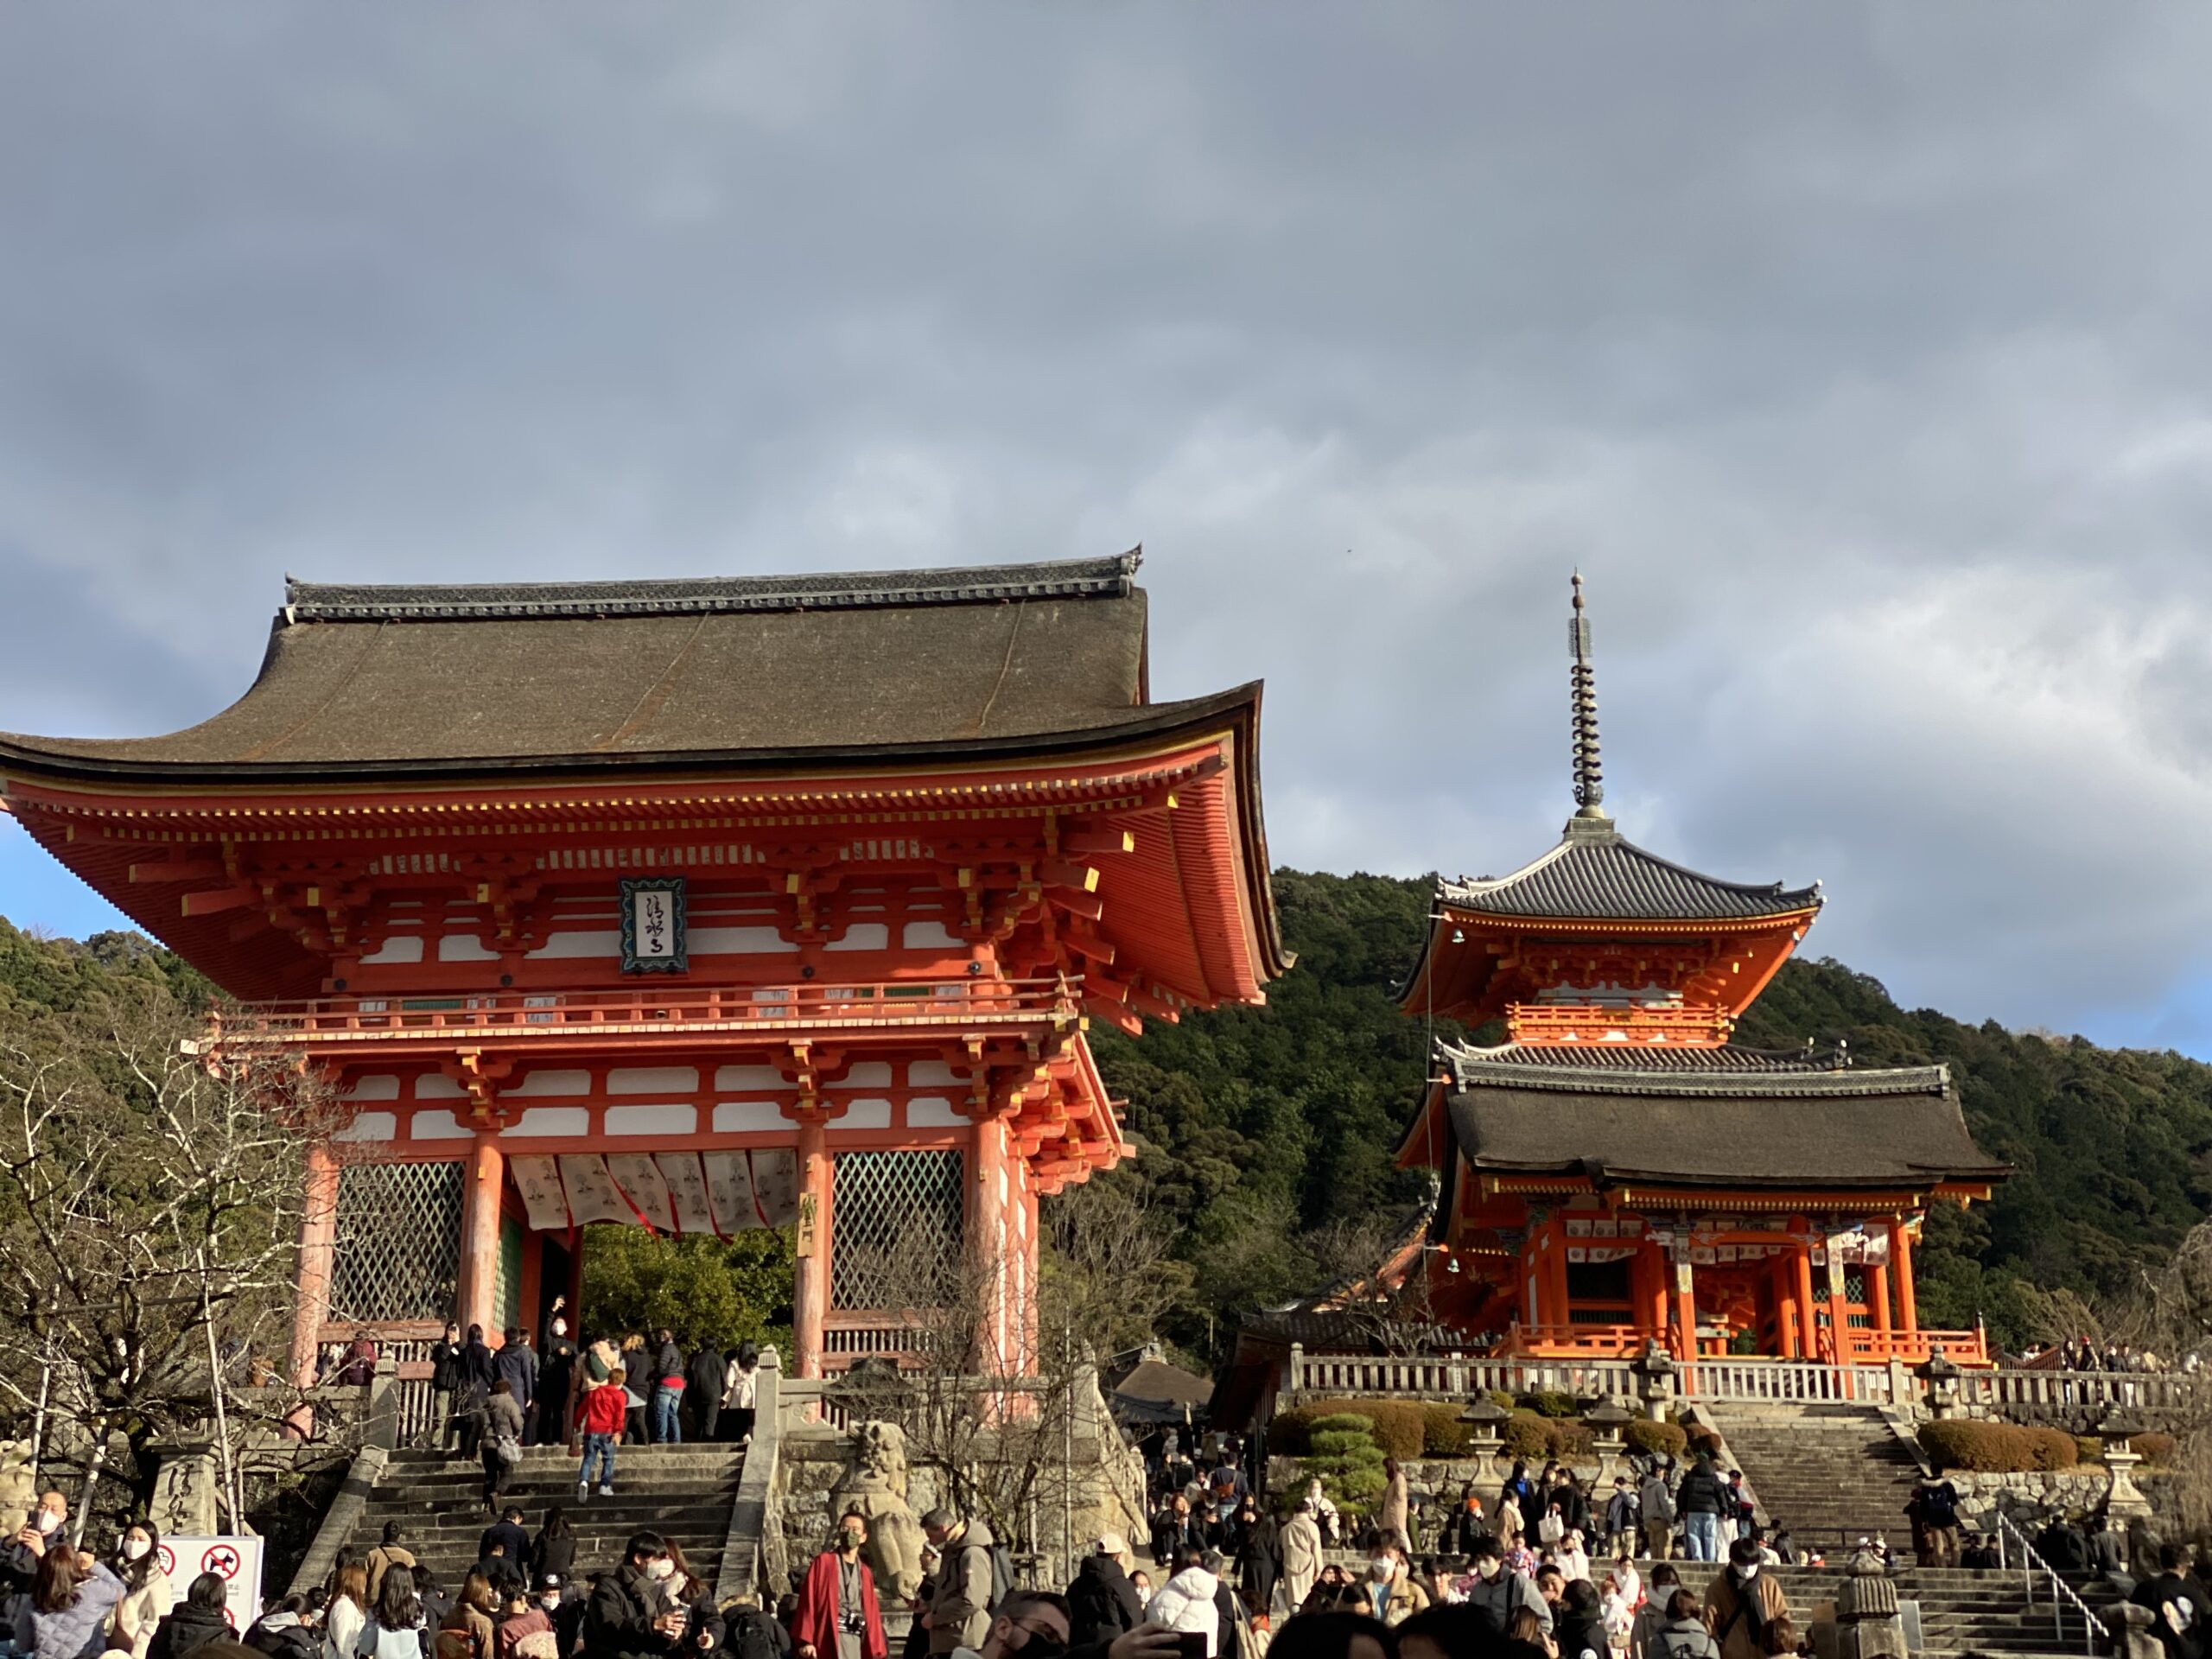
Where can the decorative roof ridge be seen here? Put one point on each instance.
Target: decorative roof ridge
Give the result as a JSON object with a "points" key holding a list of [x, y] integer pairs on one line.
{"points": [[1753, 1071], [1106, 578], [1584, 832]]}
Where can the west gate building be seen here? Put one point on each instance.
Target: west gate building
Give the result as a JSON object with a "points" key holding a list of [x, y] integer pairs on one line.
{"points": [[695, 905]]}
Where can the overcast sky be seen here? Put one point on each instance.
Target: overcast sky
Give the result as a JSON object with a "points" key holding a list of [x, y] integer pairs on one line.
{"points": [[1859, 356]]}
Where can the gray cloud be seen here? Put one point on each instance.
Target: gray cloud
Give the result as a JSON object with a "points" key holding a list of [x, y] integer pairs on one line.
{"points": [[1858, 353]]}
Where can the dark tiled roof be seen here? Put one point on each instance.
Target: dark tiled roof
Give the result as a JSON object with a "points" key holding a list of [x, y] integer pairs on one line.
{"points": [[1595, 874], [1772, 1139], [583, 673], [1114, 578], [1641, 1070]]}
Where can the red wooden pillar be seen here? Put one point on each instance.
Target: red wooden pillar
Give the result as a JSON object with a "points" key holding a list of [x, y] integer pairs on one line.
{"points": [[1901, 1259], [1809, 1343], [1562, 1312], [1686, 1320], [479, 1236], [1877, 1302], [1786, 1317], [318, 1248], [811, 1268]]}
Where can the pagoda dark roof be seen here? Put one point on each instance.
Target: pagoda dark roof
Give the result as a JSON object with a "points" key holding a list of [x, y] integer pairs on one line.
{"points": [[1742, 1119], [1596, 873], [1643, 1068], [362, 680]]}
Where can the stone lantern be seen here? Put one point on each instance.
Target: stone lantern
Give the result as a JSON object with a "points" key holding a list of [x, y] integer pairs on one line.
{"points": [[1654, 1369], [1485, 1417], [1608, 1418], [2124, 1499], [1868, 1621], [1941, 1379]]}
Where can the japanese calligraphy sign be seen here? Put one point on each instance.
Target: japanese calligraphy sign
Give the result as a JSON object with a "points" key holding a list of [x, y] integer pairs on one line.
{"points": [[652, 925]]}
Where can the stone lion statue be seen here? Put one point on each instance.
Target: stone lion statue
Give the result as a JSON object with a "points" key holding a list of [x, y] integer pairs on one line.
{"points": [[873, 1487]]}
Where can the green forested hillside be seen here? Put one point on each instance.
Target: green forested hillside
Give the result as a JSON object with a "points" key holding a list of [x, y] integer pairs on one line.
{"points": [[1263, 1124], [1262, 1127]]}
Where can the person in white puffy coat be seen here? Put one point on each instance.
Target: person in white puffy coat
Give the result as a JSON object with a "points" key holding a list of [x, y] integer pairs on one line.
{"points": [[1186, 1602]]}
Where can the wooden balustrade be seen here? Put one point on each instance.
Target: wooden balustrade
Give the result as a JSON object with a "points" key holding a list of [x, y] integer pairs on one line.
{"points": [[2019, 1394], [665, 1007]]}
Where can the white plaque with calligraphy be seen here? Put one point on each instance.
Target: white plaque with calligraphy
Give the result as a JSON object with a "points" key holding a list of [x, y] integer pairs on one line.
{"points": [[652, 925]]}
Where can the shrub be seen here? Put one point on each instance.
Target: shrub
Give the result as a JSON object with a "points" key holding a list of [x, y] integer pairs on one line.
{"points": [[2153, 1448], [1998, 1448], [1651, 1438], [1549, 1402], [1442, 1434], [1345, 1460], [1533, 1438], [1397, 1426]]}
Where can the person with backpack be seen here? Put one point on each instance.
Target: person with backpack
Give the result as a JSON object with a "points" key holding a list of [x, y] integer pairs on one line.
{"points": [[1102, 1602], [1682, 1634], [1742, 1602], [752, 1632], [972, 1579], [838, 1617], [1934, 1512], [1501, 1596]]}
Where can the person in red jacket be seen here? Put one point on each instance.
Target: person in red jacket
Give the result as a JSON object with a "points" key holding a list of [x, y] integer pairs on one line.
{"points": [[837, 1617], [603, 1411]]}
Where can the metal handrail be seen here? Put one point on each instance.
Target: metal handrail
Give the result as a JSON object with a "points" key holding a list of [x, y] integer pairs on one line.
{"points": [[2093, 1627]]}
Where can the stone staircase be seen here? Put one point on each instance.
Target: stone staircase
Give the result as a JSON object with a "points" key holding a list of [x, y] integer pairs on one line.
{"points": [[683, 1492], [1963, 1610], [1831, 1474]]}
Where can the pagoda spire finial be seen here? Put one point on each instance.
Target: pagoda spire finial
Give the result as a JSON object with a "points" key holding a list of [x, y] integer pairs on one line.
{"points": [[1589, 773]]}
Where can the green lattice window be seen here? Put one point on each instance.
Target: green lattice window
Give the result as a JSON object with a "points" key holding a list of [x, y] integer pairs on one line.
{"points": [[398, 1246], [890, 1209]]}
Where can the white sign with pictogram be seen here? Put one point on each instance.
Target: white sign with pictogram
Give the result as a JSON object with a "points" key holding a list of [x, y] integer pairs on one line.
{"points": [[236, 1561]]}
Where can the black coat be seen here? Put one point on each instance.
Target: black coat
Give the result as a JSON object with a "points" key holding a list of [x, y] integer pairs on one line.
{"points": [[476, 1365], [516, 1544], [551, 1555], [445, 1367], [619, 1618], [187, 1627], [1259, 1561], [1102, 1602], [295, 1641]]}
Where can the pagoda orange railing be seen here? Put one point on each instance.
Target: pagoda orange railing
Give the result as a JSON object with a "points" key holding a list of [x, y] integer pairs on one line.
{"points": [[1661, 1028], [661, 1009]]}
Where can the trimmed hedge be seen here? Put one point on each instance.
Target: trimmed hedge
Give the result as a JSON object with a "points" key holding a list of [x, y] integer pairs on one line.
{"points": [[2153, 1448], [1442, 1434], [1998, 1448], [1532, 1438], [1548, 1402], [1649, 1438], [1399, 1427]]}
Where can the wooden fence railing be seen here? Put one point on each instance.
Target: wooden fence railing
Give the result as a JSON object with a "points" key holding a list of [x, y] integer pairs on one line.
{"points": [[2020, 1394]]}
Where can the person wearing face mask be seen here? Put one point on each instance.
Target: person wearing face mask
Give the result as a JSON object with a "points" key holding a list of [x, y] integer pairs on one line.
{"points": [[1392, 1595], [1032, 1622], [147, 1593], [556, 1375], [526, 1628], [1500, 1595], [629, 1615], [838, 1615], [1742, 1602], [20, 1560]]}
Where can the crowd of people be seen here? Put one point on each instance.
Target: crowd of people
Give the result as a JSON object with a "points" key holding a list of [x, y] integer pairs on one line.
{"points": [[1542, 1561], [635, 1390]]}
